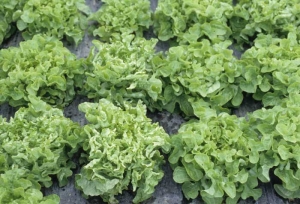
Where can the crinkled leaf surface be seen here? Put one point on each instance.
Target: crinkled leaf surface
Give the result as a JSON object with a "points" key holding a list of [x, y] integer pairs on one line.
{"points": [[211, 158], [55, 18], [8, 9], [279, 131], [123, 148], [195, 72], [40, 141], [116, 19], [270, 69], [276, 18], [14, 188], [122, 71], [40, 67], [190, 21]]}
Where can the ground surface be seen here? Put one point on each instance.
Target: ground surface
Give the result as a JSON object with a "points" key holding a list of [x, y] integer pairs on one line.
{"points": [[167, 192]]}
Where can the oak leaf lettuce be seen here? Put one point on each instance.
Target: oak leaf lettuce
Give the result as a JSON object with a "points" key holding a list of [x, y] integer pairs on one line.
{"points": [[123, 149], [40, 67]]}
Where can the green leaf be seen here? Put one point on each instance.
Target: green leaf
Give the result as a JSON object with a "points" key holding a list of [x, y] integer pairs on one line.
{"points": [[269, 159], [185, 106], [265, 85], [21, 25], [271, 99], [223, 97], [232, 200], [230, 189], [254, 157], [193, 172], [290, 181], [263, 173], [283, 192], [203, 161], [238, 98], [249, 189], [190, 190], [287, 131], [214, 29], [294, 88], [248, 87], [284, 152], [180, 175], [210, 199], [81, 6], [97, 186], [202, 109], [28, 17], [242, 176]]}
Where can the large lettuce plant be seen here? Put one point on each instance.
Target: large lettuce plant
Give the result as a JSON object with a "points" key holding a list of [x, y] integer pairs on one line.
{"points": [[122, 150], [273, 17], [278, 129], [121, 71], [190, 21], [57, 18], [40, 67], [40, 141], [116, 19], [7, 18], [270, 69], [15, 189], [198, 71], [212, 158]]}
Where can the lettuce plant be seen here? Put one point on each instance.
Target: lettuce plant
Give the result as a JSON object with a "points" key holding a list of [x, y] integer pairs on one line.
{"points": [[118, 18], [271, 69], [212, 157], [122, 71], [278, 129], [39, 67], [122, 149], [58, 18], [189, 20], [7, 9], [40, 141], [197, 71], [274, 17], [15, 189]]}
